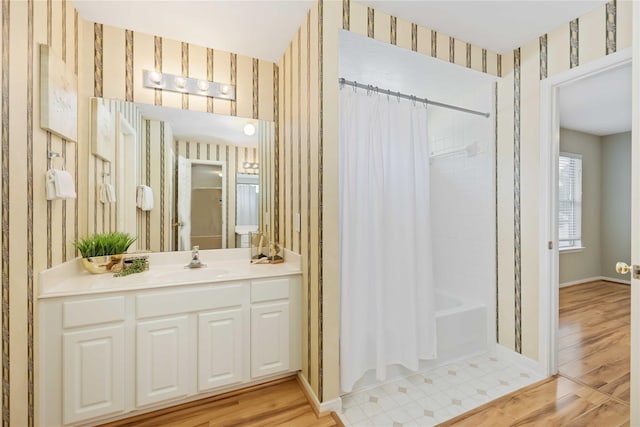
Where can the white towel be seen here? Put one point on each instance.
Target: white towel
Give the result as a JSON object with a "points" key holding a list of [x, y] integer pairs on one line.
{"points": [[110, 193], [59, 185], [106, 193], [144, 197]]}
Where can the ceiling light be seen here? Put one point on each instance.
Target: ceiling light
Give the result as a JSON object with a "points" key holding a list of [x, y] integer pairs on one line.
{"points": [[249, 129]]}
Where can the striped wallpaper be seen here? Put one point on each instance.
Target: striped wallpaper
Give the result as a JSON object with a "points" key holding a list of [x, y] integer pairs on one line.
{"points": [[594, 35], [37, 234], [125, 54], [315, 134], [300, 94], [309, 164]]}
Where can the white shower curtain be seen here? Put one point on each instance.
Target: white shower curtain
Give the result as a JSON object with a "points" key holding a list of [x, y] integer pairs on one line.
{"points": [[387, 288]]}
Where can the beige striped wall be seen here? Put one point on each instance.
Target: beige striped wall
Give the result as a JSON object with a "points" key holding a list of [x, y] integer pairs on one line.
{"points": [[117, 74], [592, 45], [103, 216], [157, 171], [309, 164], [36, 234]]}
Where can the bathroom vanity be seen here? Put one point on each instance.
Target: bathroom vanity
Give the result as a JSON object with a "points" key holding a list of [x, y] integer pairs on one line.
{"points": [[113, 347]]}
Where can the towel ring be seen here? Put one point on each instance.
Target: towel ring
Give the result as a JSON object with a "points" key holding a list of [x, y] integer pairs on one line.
{"points": [[51, 155]]}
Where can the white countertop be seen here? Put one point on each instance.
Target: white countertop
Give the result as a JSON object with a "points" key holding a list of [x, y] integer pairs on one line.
{"points": [[166, 270]]}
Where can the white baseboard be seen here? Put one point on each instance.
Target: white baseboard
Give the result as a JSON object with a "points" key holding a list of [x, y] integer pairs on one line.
{"points": [[593, 279], [616, 280], [519, 359], [334, 405]]}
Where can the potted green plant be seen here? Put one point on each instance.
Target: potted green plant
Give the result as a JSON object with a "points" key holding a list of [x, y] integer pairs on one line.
{"points": [[103, 253]]}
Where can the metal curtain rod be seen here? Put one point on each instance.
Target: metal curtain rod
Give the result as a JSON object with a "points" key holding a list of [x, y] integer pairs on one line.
{"points": [[409, 97]]}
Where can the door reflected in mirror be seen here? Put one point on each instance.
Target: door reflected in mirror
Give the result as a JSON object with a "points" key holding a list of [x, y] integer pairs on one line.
{"points": [[174, 152]]}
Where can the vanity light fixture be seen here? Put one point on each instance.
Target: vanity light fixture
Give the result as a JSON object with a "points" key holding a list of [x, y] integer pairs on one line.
{"points": [[155, 77], [203, 85], [249, 129], [174, 83], [180, 82], [250, 165]]}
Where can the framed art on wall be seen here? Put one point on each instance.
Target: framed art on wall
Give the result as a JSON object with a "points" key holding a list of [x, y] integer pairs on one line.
{"points": [[103, 130], [58, 95]]}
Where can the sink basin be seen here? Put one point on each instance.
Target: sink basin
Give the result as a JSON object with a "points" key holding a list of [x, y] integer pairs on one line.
{"points": [[181, 274]]}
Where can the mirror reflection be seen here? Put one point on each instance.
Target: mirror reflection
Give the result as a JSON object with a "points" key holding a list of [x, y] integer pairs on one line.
{"points": [[182, 178]]}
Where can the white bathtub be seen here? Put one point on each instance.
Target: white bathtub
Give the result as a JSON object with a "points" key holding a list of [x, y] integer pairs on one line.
{"points": [[461, 327], [461, 331]]}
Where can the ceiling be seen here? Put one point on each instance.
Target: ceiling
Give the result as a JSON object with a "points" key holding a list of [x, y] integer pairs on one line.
{"points": [[499, 26], [599, 105], [264, 28], [200, 126]]}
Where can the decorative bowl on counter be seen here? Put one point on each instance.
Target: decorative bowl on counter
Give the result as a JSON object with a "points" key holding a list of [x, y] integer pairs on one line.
{"points": [[104, 253], [103, 264]]}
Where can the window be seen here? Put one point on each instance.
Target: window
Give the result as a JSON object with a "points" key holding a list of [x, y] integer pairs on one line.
{"points": [[570, 202]]}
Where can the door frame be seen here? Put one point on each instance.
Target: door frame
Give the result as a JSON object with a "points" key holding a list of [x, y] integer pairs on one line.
{"points": [[548, 237], [635, 217], [223, 164]]}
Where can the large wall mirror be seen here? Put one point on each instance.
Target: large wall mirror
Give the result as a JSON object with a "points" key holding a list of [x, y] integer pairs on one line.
{"points": [[177, 178]]}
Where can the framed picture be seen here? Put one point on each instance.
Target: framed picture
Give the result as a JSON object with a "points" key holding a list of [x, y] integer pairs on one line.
{"points": [[58, 95], [103, 130]]}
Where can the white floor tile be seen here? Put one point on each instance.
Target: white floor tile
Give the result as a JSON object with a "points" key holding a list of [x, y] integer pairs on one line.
{"points": [[371, 409], [354, 415], [429, 397], [423, 422], [399, 415], [381, 420]]}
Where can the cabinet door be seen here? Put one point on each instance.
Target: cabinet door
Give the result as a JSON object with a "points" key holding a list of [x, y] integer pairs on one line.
{"points": [[220, 349], [269, 339], [162, 359], [93, 373]]}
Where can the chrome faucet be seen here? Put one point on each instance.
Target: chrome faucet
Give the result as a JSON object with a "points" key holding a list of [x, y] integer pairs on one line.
{"points": [[195, 259]]}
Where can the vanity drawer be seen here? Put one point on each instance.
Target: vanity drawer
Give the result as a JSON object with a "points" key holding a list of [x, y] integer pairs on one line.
{"points": [[269, 290], [92, 311], [191, 300]]}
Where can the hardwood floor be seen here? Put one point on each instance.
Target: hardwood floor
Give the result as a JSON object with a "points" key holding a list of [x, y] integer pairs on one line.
{"points": [[280, 403], [592, 388], [594, 336]]}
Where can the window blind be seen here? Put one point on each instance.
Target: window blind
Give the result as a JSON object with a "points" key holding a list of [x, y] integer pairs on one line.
{"points": [[570, 201]]}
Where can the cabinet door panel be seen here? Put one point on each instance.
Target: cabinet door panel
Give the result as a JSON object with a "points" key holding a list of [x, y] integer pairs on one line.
{"points": [[269, 339], [162, 358], [93, 373], [220, 349]]}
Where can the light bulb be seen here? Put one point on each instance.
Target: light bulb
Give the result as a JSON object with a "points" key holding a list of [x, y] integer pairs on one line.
{"points": [[224, 89], [249, 129], [203, 85], [180, 82], [155, 77]]}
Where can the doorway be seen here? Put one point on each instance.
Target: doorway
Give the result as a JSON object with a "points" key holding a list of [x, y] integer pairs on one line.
{"points": [[201, 204], [579, 322]]}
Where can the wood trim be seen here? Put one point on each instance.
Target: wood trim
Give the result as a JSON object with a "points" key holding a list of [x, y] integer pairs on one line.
{"points": [[310, 399]]}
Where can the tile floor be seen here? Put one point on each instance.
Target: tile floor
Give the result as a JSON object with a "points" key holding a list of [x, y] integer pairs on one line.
{"points": [[431, 397]]}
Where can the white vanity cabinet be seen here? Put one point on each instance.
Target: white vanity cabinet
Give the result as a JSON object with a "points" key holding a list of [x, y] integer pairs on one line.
{"points": [[111, 355], [162, 357]]}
